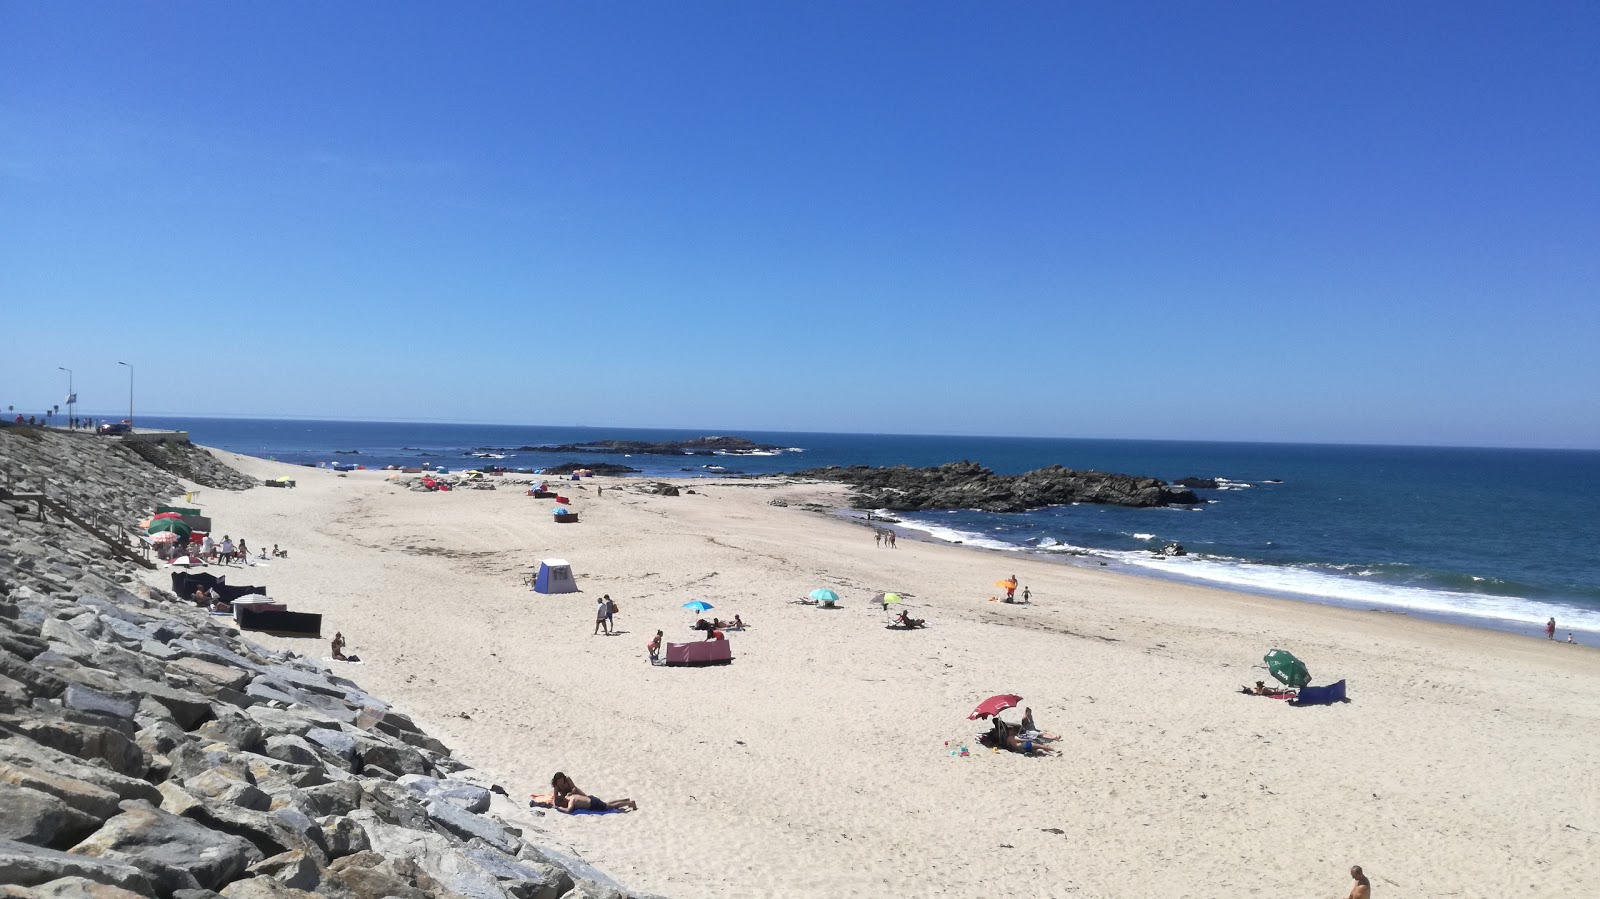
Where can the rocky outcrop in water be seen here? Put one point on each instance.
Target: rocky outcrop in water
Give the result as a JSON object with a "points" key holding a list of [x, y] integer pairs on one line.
{"points": [[602, 468], [968, 485], [1194, 483], [147, 750], [698, 446]]}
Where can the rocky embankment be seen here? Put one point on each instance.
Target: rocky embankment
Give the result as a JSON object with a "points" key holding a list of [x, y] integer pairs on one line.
{"points": [[968, 485], [147, 750]]}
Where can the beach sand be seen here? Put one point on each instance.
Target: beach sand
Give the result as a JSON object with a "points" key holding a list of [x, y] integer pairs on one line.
{"points": [[816, 764]]}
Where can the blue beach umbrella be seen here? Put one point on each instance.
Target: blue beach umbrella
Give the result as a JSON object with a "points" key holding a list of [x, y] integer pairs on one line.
{"points": [[698, 605], [823, 594]]}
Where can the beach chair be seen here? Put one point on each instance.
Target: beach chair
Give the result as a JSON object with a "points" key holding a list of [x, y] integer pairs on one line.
{"points": [[1321, 695]]}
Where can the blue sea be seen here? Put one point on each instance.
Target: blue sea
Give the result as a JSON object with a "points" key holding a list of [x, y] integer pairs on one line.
{"points": [[1500, 538]]}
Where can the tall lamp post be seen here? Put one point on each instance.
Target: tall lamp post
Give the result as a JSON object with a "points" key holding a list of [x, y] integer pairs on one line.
{"points": [[130, 396], [72, 398]]}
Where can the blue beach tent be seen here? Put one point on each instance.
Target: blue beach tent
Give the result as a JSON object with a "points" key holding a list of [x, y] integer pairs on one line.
{"points": [[555, 576]]}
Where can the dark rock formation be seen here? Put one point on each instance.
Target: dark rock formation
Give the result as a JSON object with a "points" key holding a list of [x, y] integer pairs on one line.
{"points": [[698, 446], [605, 468], [1194, 483], [968, 485]]}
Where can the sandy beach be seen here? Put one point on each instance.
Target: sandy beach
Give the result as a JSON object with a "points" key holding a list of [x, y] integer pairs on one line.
{"points": [[817, 763]]}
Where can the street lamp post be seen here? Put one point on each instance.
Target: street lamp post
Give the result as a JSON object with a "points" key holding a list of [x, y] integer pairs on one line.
{"points": [[72, 398], [130, 396]]}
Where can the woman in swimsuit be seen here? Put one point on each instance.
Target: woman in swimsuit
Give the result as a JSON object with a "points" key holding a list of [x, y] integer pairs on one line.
{"points": [[568, 798]]}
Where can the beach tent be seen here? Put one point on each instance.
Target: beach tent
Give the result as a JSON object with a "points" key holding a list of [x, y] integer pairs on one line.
{"points": [[555, 576]]}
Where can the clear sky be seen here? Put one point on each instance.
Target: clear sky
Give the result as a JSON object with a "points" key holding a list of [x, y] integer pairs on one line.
{"points": [[1349, 222]]}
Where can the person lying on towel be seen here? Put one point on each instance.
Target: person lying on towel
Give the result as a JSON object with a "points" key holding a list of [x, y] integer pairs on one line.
{"points": [[1261, 689], [906, 621]]}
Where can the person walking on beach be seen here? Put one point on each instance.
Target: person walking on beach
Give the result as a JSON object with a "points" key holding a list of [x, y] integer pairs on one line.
{"points": [[1363, 887], [225, 551], [1027, 595], [611, 609], [877, 537], [1550, 629], [654, 648], [1011, 590], [600, 616], [891, 541]]}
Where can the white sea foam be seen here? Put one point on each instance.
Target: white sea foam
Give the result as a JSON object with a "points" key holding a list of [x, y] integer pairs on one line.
{"points": [[966, 538], [1360, 593], [1144, 536]]}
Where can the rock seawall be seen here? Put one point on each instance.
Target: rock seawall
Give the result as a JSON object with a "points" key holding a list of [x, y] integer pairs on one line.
{"points": [[147, 750], [968, 485]]}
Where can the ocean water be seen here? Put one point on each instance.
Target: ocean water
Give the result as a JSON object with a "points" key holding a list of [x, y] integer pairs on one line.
{"points": [[1502, 538]]}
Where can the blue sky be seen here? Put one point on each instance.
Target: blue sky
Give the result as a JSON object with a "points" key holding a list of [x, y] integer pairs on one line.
{"points": [[1367, 222]]}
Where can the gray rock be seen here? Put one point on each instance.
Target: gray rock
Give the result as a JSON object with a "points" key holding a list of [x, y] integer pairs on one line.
{"points": [[291, 748], [97, 802], [292, 869], [85, 699], [466, 825], [36, 817], [272, 774], [368, 875], [211, 672], [462, 795], [81, 888], [27, 865], [267, 833], [437, 856], [343, 836], [222, 785], [195, 894], [40, 683], [176, 853], [158, 650], [522, 879], [264, 887], [268, 690], [26, 753], [335, 798], [88, 742], [589, 882], [336, 746], [188, 708], [290, 721], [66, 640], [233, 728]]}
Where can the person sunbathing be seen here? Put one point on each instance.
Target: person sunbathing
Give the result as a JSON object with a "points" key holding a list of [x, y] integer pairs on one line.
{"points": [[338, 646], [907, 622], [1261, 689], [1029, 729], [568, 798], [1012, 737], [703, 625]]}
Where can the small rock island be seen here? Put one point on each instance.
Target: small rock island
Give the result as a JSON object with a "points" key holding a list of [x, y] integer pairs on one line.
{"points": [[968, 485]]}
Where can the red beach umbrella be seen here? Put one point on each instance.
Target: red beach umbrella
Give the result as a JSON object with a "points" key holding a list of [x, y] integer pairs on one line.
{"points": [[161, 515], [994, 705]]}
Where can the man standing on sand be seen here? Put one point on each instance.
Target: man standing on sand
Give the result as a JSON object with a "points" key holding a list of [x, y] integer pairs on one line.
{"points": [[1363, 887], [1550, 629], [891, 541], [600, 616], [1011, 590]]}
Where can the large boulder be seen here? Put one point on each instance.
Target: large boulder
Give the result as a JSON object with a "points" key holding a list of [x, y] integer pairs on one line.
{"points": [[176, 853], [88, 742], [81, 888], [27, 865], [95, 801], [34, 816]]}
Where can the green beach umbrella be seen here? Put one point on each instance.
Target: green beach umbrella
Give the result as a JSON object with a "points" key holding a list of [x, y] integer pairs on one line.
{"points": [[1290, 671], [169, 525]]}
